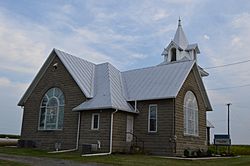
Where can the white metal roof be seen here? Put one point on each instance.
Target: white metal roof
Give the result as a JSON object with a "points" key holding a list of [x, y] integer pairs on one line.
{"points": [[108, 90], [180, 41], [193, 47], [158, 82], [180, 37], [81, 70], [107, 87]]}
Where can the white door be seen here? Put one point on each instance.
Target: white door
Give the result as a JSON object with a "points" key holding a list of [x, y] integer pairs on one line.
{"points": [[130, 126]]}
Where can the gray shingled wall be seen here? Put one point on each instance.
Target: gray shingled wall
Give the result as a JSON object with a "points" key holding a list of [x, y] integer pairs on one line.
{"points": [[156, 143], [73, 96], [88, 136], [190, 142]]}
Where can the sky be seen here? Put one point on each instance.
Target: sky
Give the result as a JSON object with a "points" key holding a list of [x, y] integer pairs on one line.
{"points": [[129, 34]]}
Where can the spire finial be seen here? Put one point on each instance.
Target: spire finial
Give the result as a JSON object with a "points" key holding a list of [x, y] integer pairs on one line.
{"points": [[179, 23]]}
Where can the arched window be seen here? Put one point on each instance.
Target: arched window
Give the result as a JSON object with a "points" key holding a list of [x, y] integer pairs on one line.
{"points": [[52, 110], [190, 114], [173, 54]]}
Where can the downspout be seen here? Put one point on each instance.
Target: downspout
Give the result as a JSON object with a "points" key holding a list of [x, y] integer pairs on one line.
{"points": [[78, 131], [111, 139], [174, 132], [135, 105], [77, 138]]}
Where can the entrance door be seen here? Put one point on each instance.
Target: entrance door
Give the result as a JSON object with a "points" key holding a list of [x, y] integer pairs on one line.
{"points": [[130, 126]]}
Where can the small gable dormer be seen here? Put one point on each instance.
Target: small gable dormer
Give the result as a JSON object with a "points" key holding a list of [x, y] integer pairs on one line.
{"points": [[179, 49]]}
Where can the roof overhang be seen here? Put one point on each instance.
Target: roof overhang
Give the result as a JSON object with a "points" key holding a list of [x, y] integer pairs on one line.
{"points": [[78, 109], [193, 47], [203, 72], [202, 88]]}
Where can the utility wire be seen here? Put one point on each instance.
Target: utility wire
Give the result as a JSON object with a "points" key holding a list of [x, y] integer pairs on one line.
{"points": [[229, 64], [230, 87]]}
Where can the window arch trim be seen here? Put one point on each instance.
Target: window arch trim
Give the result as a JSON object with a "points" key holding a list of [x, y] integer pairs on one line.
{"points": [[51, 117], [191, 114]]}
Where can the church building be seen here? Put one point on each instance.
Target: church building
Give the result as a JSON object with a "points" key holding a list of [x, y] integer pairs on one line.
{"points": [[74, 104]]}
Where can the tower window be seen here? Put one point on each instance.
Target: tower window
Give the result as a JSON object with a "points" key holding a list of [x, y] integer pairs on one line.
{"points": [[194, 55], [173, 54]]}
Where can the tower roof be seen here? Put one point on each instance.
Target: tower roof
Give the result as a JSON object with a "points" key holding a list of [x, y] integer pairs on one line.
{"points": [[180, 38]]}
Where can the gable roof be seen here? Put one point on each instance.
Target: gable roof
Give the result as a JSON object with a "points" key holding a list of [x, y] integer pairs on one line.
{"points": [[81, 70], [172, 43], [108, 90], [107, 87], [158, 82]]}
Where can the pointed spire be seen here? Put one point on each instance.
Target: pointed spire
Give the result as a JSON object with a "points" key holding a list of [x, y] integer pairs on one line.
{"points": [[179, 23], [180, 37]]}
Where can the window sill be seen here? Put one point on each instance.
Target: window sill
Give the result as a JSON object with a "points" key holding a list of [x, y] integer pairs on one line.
{"points": [[190, 135], [94, 129], [152, 132], [49, 130]]}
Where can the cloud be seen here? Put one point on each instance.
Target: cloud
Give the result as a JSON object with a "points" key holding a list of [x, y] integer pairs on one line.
{"points": [[11, 114], [138, 56], [206, 37], [236, 41], [229, 45], [67, 8], [159, 15], [27, 44], [181, 2], [4, 81], [7, 85], [22, 49], [241, 20]]}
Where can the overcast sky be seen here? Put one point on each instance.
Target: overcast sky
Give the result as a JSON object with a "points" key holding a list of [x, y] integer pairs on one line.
{"points": [[130, 34]]}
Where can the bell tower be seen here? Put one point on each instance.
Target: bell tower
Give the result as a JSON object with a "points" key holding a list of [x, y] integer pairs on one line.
{"points": [[179, 49]]}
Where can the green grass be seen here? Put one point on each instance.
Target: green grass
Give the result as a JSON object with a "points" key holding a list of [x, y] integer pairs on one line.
{"points": [[131, 160], [235, 149], [10, 163]]}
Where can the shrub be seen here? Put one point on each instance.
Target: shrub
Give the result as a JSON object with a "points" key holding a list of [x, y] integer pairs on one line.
{"points": [[209, 152], [187, 153]]}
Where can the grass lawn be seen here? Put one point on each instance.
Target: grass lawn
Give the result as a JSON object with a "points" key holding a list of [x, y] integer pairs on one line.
{"points": [[131, 160], [10, 163], [235, 149]]}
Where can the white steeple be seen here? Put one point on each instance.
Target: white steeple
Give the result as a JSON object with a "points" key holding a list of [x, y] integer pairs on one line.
{"points": [[179, 49], [179, 37]]}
